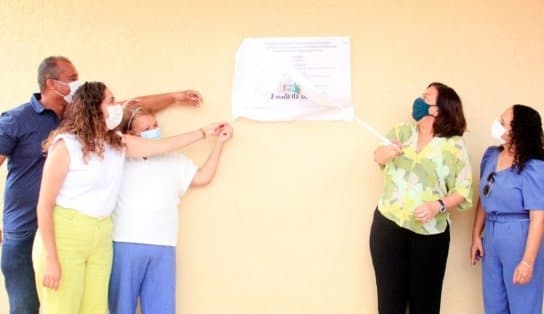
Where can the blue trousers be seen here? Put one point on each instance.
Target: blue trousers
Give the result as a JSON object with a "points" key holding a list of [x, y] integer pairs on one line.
{"points": [[19, 272], [504, 245], [145, 271]]}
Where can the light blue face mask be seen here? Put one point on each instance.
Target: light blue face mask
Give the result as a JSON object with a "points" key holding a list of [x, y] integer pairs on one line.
{"points": [[152, 134]]}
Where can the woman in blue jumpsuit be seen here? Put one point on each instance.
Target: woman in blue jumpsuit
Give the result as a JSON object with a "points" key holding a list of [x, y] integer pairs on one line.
{"points": [[511, 207]]}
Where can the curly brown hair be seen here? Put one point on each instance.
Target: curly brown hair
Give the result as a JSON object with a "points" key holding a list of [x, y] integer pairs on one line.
{"points": [[84, 118], [527, 136]]}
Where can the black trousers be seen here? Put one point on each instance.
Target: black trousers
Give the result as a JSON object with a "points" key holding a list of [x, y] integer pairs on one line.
{"points": [[409, 267]]}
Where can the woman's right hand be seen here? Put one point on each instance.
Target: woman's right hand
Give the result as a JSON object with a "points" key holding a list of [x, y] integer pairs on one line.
{"points": [[214, 129], [476, 250], [225, 133], [385, 153], [51, 276]]}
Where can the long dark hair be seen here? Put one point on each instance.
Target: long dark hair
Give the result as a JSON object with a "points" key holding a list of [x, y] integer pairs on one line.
{"points": [[84, 118], [451, 119], [527, 136]]}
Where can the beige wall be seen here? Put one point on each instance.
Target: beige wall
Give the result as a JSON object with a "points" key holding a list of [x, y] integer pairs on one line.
{"points": [[284, 227]]}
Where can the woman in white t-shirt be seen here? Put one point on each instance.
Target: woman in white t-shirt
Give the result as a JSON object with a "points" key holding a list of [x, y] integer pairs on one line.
{"points": [[81, 179], [145, 219]]}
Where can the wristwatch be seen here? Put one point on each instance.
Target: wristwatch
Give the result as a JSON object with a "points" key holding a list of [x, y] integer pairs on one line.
{"points": [[442, 209]]}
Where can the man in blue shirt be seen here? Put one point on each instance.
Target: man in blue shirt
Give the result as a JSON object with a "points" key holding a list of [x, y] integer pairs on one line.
{"points": [[22, 131]]}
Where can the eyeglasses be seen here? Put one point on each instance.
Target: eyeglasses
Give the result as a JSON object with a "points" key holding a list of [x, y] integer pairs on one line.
{"points": [[489, 184]]}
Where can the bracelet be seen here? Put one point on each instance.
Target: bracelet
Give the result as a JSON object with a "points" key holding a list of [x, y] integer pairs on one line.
{"points": [[526, 264], [203, 133]]}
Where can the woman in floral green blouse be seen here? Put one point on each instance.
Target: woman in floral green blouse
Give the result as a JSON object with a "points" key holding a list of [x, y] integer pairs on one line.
{"points": [[427, 173]]}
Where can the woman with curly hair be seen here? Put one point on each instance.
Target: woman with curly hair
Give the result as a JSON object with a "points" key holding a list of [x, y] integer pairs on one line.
{"points": [[511, 207], [81, 179]]}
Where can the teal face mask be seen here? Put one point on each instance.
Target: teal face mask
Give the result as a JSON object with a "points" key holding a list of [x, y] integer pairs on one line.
{"points": [[152, 134], [420, 109]]}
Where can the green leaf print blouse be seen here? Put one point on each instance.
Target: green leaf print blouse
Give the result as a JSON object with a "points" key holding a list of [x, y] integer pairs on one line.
{"points": [[439, 169]]}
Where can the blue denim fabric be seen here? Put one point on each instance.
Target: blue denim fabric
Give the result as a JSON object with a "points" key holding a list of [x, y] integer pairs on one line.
{"points": [[19, 273]]}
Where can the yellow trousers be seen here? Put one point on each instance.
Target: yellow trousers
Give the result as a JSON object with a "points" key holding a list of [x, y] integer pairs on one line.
{"points": [[84, 247]]}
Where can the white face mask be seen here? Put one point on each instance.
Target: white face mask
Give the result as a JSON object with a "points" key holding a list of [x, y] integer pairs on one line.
{"points": [[74, 85], [115, 115], [497, 131]]}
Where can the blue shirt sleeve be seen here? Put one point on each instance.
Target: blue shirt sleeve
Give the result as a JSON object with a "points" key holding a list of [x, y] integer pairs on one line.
{"points": [[532, 188], [8, 134], [489, 153]]}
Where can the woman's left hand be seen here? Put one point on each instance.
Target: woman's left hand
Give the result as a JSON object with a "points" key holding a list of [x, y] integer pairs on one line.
{"points": [[523, 273], [426, 211], [188, 98]]}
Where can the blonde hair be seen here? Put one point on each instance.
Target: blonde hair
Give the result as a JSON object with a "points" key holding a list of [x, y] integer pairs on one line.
{"points": [[131, 112]]}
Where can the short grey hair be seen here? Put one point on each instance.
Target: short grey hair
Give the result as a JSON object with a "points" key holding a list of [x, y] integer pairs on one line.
{"points": [[48, 69]]}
